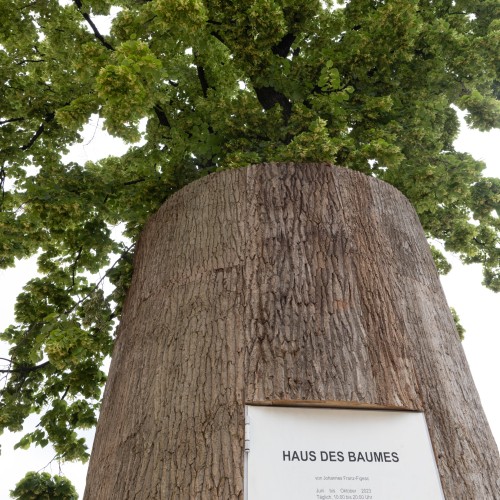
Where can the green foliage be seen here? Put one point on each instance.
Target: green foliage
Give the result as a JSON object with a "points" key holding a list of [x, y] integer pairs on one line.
{"points": [[42, 486], [197, 86], [458, 325], [442, 265]]}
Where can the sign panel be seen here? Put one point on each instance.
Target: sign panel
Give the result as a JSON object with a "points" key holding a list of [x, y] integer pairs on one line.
{"points": [[335, 454]]}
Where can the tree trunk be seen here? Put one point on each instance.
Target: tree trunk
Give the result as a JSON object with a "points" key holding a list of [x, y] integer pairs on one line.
{"points": [[279, 284]]}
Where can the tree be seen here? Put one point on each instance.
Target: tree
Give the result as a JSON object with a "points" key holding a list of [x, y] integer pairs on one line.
{"points": [[199, 86], [326, 294]]}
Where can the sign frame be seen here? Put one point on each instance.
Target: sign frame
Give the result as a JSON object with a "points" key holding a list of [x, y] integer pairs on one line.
{"points": [[383, 446]]}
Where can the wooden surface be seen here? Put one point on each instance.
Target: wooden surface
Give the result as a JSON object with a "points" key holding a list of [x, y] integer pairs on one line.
{"points": [[282, 284]]}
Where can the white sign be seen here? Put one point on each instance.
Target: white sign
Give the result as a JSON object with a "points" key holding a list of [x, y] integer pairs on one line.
{"points": [[334, 454]]}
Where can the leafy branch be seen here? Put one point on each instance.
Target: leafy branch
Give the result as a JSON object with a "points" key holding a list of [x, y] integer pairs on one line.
{"points": [[23, 368], [99, 282], [87, 18], [48, 118]]}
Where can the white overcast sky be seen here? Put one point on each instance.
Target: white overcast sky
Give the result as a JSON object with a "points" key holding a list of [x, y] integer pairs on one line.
{"points": [[478, 309]]}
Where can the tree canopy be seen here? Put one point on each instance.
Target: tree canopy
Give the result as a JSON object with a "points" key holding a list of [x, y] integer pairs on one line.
{"points": [[197, 86], [42, 486]]}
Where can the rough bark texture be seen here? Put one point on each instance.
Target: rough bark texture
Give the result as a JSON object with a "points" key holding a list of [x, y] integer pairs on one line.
{"points": [[279, 283]]}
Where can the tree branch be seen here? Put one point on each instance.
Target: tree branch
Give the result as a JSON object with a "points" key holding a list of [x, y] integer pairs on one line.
{"points": [[39, 132], [65, 393], [282, 49], [203, 80], [75, 263], [87, 18], [26, 61], [10, 120], [28, 5], [3, 175], [269, 97], [26, 369], [216, 34], [136, 181], [162, 117], [96, 286]]}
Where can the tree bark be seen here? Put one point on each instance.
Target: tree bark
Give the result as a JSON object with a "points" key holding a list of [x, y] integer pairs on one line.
{"points": [[279, 283]]}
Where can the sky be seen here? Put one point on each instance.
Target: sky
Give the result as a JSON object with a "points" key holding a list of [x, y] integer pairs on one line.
{"points": [[477, 307]]}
